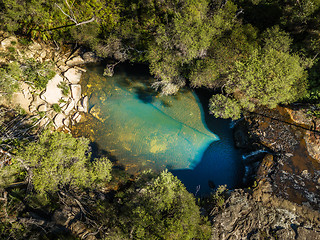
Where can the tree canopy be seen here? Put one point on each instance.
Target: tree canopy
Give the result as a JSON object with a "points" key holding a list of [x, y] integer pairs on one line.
{"points": [[158, 207], [57, 161]]}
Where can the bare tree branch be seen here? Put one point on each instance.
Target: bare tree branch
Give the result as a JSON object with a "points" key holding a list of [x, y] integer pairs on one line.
{"points": [[88, 21], [72, 17]]}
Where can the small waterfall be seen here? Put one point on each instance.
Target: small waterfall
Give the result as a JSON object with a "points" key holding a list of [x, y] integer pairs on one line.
{"points": [[254, 153]]}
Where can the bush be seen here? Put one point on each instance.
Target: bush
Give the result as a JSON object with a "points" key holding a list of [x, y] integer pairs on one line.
{"points": [[38, 73], [159, 207], [57, 161], [56, 107], [9, 78]]}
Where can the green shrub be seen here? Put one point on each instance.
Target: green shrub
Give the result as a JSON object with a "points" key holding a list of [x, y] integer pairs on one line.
{"points": [[9, 78], [24, 41], [59, 161], [64, 88], [38, 73], [11, 49], [56, 107]]}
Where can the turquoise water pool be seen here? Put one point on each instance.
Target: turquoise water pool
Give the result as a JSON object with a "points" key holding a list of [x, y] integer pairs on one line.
{"points": [[143, 130]]}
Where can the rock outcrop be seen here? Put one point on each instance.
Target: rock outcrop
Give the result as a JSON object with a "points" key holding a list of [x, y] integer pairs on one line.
{"points": [[289, 166], [263, 216], [62, 100], [312, 137]]}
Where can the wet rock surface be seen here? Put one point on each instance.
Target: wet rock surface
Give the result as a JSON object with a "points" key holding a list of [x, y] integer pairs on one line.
{"points": [[292, 173]]}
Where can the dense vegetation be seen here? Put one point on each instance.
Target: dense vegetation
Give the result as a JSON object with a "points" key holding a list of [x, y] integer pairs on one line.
{"points": [[253, 52]]}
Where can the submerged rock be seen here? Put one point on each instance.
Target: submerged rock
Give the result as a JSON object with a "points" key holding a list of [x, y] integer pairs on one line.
{"points": [[90, 57]]}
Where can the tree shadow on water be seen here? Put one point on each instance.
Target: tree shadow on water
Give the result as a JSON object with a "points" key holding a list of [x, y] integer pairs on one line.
{"points": [[221, 162], [218, 166]]}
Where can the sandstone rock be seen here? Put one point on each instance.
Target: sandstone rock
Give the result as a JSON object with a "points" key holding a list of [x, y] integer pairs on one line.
{"points": [[80, 107], [266, 166], [61, 66], [42, 54], [85, 103], [58, 120], [306, 234], [22, 98], [35, 47], [76, 117], [8, 42], [42, 108], [53, 93], [242, 217], [80, 69], [69, 107], [76, 92], [299, 116], [73, 75], [66, 122], [313, 144], [36, 102], [29, 54], [44, 121], [78, 60]]}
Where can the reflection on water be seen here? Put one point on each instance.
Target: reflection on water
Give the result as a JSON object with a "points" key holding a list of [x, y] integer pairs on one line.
{"points": [[143, 130]]}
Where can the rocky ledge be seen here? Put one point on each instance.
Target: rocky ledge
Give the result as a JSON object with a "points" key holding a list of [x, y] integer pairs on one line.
{"points": [[62, 102], [286, 150], [261, 215]]}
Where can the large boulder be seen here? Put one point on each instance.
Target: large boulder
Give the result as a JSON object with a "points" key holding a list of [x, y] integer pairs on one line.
{"points": [[78, 60], [53, 93], [59, 120], [73, 75], [23, 98], [76, 92], [35, 47], [69, 107]]}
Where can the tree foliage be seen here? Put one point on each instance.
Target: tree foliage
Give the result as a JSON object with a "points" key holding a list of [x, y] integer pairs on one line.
{"points": [[159, 207], [9, 78], [223, 107], [57, 161], [268, 78]]}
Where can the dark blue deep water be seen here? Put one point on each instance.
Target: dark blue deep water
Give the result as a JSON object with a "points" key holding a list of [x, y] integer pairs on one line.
{"points": [[144, 130]]}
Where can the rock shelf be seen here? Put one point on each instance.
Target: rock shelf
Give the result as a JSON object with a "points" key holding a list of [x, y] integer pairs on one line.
{"points": [[63, 108]]}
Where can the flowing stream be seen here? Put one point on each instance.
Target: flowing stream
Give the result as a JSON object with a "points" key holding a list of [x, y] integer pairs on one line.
{"points": [[143, 130]]}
